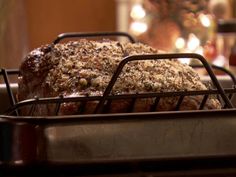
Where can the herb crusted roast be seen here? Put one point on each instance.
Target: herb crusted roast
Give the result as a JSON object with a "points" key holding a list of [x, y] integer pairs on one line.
{"points": [[84, 68]]}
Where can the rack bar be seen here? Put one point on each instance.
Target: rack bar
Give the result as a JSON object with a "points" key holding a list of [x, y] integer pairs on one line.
{"points": [[181, 98], [158, 57], [8, 87], [153, 107], [204, 100], [226, 71], [106, 99], [132, 104], [114, 97], [82, 107], [9, 91], [100, 34]]}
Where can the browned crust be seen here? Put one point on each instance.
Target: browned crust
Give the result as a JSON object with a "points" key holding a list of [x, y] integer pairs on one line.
{"points": [[83, 67]]}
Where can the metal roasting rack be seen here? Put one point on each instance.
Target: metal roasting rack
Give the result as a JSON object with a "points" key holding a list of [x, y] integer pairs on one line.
{"points": [[106, 100], [28, 144], [14, 105]]}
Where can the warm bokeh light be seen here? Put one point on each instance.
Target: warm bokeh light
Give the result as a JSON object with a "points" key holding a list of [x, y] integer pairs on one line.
{"points": [[219, 61], [185, 60], [138, 28], [199, 50], [137, 12], [193, 42], [180, 43], [205, 20]]}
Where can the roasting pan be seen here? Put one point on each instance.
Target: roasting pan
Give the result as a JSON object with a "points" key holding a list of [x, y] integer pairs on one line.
{"points": [[176, 143]]}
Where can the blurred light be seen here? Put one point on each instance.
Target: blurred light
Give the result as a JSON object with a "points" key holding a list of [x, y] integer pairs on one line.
{"points": [[193, 42], [180, 43], [137, 12], [17, 162], [205, 20], [219, 61], [138, 28], [199, 50], [185, 60]]}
